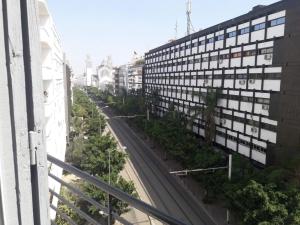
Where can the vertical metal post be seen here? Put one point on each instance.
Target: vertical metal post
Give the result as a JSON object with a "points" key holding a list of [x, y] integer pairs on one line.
{"points": [[109, 218], [229, 178], [148, 117]]}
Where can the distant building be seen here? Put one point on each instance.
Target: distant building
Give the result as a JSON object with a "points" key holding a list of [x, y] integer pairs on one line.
{"points": [[54, 93], [121, 79], [135, 73], [253, 60], [88, 71], [105, 73]]}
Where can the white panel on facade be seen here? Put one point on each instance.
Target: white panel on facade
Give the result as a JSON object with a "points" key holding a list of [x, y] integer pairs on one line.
{"points": [[263, 60], [209, 46], [231, 145], [243, 39], [228, 83], [237, 126], [244, 150], [231, 29], [273, 70], [257, 35], [276, 15], [252, 131], [236, 62], [217, 83], [268, 136], [219, 44], [213, 64], [230, 41], [266, 44], [259, 156], [259, 110], [258, 21], [273, 85], [269, 121], [254, 84], [244, 25], [220, 140], [255, 70], [276, 31], [246, 106], [249, 61]]}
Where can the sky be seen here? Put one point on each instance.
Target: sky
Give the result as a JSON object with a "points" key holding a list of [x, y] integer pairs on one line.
{"points": [[117, 28]]}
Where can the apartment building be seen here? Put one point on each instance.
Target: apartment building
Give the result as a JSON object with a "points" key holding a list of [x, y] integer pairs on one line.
{"points": [[253, 62], [135, 74], [52, 59]]}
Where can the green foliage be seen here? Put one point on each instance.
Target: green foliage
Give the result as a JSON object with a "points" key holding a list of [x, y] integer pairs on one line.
{"points": [[269, 196], [90, 151]]}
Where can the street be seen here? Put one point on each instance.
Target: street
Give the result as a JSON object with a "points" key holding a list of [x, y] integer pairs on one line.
{"points": [[166, 192]]}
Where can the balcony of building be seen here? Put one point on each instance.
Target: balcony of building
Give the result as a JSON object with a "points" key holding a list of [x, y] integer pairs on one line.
{"points": [[107, 213]]}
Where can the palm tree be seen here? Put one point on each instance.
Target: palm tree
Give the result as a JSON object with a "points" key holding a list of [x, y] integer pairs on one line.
{"points": [[207, 112]]}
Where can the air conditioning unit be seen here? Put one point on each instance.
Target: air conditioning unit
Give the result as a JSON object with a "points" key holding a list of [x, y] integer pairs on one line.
{"points": [[223, 121], [251, 81], [242, 82], [205, 81], [254, 129], [268, 56], [265, 107]]}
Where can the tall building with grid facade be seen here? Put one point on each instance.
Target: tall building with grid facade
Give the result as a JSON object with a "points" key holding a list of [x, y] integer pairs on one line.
{"points": [[254, 63]]}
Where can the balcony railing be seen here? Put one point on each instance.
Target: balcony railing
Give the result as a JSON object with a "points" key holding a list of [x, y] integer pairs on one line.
{"points": [[111, 191]]}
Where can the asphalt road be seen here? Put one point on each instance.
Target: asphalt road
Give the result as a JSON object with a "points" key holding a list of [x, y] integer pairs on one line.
{"points": [[166, 192]]}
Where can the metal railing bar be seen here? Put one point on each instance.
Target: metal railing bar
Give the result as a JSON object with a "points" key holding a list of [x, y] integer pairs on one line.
{"points": [[117, 193], [70, 205], [88, 199], [63, 215]]}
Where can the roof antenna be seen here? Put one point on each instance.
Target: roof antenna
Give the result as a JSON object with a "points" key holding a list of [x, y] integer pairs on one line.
{"points": [[188, 16], [176, 30]]}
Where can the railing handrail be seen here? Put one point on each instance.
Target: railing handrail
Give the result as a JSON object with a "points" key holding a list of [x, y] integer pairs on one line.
{"points": [[117, 193]]}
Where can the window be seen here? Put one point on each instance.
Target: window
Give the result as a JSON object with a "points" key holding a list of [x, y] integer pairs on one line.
{"points": [[205, 59], [245, 30], [236, 55], [242, 76], [278, 21], [264, 51], [259, 26], [194, 44], [202, 42], [214, 58], [220, 37], [231, 34], [225, 56], [250, 53], [197, 60], [210, 40]]}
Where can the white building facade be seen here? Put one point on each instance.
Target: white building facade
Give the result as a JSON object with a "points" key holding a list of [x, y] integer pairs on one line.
{"points": [[105, 73], [135, 73], [54, 93], [246, 59]]}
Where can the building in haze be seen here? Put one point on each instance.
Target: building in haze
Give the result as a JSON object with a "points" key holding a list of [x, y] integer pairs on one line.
{"points": [[121, 79], [135, 73], [88, 71], [105, 73], [253, 61]]}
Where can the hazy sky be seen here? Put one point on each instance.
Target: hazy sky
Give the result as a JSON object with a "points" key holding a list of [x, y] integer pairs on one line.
{"points": [[120, 27]]}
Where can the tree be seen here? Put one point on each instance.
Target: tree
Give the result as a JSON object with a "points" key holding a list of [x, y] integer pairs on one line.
{"points": [[260, 204], [207, 112]]}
